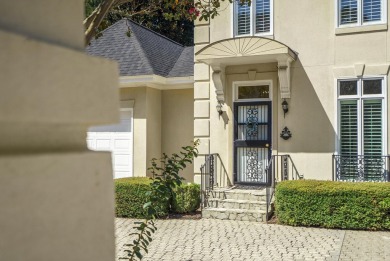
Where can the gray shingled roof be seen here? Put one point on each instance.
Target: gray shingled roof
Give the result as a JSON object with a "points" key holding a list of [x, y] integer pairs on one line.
{"points": [[143, 53]]}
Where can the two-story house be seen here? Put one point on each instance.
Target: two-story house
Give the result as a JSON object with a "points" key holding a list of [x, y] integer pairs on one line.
{"points": [[306, 79], [303, 78]]}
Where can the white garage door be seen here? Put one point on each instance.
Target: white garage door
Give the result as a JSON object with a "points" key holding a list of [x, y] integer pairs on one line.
{"points": [[119, 140]]}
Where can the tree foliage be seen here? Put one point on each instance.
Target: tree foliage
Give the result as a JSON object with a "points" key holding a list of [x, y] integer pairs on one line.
{"points": [[172, 18]]}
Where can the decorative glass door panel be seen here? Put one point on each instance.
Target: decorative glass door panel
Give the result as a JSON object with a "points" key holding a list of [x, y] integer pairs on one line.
{"points": [[252, 141]]}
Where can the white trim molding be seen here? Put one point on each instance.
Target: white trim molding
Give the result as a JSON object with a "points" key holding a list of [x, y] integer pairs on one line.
{"points": [[157, 82]]}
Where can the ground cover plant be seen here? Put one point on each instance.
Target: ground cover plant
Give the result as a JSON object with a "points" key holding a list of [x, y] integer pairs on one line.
{"points": [[331, 204]]}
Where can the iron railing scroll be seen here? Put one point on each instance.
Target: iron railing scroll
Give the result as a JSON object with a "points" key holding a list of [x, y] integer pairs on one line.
{"points": [[213, 175], [358, 168]]}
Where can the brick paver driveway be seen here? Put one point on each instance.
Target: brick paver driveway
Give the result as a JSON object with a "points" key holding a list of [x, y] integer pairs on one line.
{"points": [[213, 240]]}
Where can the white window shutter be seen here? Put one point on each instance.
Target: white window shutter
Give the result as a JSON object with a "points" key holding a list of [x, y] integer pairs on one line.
{"points": [[372, 10], [263, 16], [243, 18], [348, 11]]}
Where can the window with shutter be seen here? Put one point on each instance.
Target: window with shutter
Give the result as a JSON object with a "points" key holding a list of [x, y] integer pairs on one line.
{"points": [[361, 12], [254, 19], [361, 116]]}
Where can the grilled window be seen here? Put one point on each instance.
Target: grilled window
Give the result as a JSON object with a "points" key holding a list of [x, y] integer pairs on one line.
{"points": [[253, 19], [360, 12]]}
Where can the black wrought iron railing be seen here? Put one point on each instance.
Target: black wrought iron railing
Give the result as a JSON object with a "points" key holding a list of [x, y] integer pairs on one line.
{"points": [[361, 168], [213, 175]]}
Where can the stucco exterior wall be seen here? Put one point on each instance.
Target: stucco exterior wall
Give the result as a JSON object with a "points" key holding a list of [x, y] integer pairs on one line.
{"points": [[162, 124], [139, 129], [51, 92], [153, 109], [177, 123], [324, 54]]}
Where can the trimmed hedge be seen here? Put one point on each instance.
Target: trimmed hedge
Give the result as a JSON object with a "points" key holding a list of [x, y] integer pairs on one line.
{"points": [[130, 198], [187, 198], [333, 204]]}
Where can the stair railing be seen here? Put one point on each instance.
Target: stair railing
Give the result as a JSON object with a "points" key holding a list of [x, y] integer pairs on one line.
{"points": [[213, 175]]}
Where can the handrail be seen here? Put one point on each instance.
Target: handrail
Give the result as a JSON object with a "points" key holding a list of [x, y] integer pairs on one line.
{"points": [[212, 178], [212, 175]]}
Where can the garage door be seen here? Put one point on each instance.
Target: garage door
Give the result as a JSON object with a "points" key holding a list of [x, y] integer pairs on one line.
{"points": [[119, 140]]}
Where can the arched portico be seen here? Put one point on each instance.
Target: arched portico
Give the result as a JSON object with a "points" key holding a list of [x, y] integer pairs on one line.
{"points": [[247, 50]]}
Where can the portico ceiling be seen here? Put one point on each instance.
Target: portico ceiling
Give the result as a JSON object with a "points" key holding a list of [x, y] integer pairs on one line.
{"points": [[244, 50]]}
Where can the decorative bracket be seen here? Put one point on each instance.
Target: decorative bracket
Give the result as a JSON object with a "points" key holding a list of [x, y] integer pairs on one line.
{"points": [[284, 78], [218, 79]]}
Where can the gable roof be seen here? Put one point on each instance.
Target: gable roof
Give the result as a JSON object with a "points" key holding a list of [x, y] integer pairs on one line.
{"points": [[143, 53]]}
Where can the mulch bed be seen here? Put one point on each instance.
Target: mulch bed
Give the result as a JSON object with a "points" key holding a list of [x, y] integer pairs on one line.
{"points": [[191, 216]]}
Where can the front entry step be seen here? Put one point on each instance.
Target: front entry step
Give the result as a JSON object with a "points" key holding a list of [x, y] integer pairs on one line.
{"points": [[237, 204], [235, 214]]}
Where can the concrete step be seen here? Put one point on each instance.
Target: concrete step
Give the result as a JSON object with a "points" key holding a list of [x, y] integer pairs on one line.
{"points": [[239, 194], [237, 204], [235, 214]]}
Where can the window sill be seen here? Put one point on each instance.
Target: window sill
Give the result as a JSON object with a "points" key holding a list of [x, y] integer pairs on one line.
{"points": [[269, 36], [361, 29]]}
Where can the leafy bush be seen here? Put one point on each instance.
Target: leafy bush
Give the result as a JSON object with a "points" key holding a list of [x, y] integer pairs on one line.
{"points": [[333, 204], [186, 198], [131, 195]]}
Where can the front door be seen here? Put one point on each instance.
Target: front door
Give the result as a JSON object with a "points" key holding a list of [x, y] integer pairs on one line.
{"points": [[252, 141]]}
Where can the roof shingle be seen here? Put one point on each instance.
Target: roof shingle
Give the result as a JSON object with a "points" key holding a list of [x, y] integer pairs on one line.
{"points": [[143, 53]]}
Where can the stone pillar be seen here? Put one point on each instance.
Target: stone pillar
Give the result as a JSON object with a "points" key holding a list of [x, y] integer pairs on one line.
{"points": [[201, 97], [56, 197]]}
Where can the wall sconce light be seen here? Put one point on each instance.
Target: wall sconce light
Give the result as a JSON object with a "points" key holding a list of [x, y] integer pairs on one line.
{"points": [[285, 107], [219, 108]]}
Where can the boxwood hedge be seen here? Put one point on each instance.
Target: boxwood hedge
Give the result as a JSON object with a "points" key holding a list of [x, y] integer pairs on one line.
{"points": [[187, 198], [333, 204], [130, 196]]}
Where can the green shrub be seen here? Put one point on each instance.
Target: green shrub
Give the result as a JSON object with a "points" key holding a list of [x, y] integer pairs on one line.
{"points": [[130, 196], [333, 204], [186, 198]]}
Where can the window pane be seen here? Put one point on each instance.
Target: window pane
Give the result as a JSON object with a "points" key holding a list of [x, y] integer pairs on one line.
{"points": [[243, 22], [348, 87], [372, 87], [371, 10], [348, 11], [263, 16], [372, 110], [372, 139], [348, 128], [253, 92]]}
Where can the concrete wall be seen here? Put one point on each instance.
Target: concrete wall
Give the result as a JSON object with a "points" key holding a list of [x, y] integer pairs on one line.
{"points": [[324, 54], [56, 197]]}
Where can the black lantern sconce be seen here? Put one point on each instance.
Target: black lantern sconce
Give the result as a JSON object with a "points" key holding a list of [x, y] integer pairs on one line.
{"points": [[219, 108], [285, 107], [285, 134]]}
